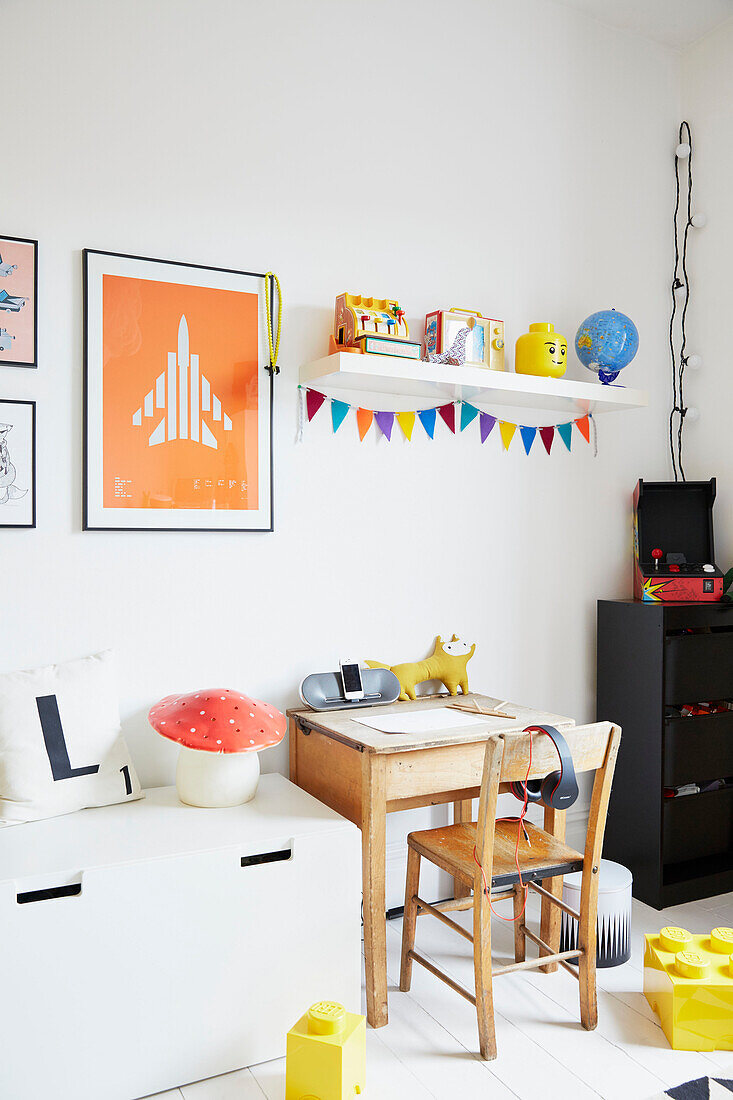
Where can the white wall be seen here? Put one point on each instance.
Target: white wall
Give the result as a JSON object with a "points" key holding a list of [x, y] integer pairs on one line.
{"points": [[707, 104], [503, 155]]}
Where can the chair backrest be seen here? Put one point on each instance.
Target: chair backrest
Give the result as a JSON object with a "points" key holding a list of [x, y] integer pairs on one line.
{"points": [[593, 747], [588, 745]]}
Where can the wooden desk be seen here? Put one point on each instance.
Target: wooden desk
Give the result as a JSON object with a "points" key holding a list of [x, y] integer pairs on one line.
{"points": [[365, 774]]}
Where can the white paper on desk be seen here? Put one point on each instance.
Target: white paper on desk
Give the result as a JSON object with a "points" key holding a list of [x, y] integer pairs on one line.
{"points": [[422, 721]]}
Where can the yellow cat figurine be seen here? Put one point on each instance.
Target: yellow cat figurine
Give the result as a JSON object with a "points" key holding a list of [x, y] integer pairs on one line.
{"points": [[446, 663]]}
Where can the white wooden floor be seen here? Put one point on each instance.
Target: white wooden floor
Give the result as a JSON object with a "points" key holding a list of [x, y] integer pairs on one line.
{"points": [[429, 1048]]}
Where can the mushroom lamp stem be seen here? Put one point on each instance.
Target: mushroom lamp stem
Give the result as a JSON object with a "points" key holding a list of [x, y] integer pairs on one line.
{"points": [[213, 779]]}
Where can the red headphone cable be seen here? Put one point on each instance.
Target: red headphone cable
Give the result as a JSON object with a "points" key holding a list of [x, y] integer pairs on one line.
{"points": [[520, 826]]}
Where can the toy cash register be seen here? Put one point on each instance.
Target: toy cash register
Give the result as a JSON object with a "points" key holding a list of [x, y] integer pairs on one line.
{"points": [[674, 556]]}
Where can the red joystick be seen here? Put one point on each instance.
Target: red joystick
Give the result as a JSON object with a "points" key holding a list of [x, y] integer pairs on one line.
{"points": [[656, 554]]}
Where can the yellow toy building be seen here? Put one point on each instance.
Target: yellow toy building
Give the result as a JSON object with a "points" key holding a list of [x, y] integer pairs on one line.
{"points": [[376, 325], [446, 663], [688, 981], [541, 351], [326, 1054]]}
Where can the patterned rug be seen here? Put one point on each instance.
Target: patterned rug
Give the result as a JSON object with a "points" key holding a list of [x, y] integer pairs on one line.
{"points": [[704, 1088]]}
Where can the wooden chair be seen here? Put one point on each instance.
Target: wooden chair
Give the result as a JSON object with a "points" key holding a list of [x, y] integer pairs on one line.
{"points": [[485, 852]]}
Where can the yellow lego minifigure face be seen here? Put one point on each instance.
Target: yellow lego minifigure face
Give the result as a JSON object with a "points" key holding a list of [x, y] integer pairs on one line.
{"points": [[556, 351], [541, 351]]}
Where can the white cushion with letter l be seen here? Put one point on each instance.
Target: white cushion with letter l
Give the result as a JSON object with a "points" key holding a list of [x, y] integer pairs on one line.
{"points": [[61, 748]]}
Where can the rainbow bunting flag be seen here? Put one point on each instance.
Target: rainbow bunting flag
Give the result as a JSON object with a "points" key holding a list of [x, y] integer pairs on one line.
{"points": [[468, 413]]}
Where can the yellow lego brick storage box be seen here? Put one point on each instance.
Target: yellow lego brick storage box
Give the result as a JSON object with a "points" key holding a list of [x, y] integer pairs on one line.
{"points": [[688, 981], [326, 1054]]}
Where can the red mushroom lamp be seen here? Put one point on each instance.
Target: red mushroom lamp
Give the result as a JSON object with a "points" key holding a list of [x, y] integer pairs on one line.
{"points": [[220, 733]]}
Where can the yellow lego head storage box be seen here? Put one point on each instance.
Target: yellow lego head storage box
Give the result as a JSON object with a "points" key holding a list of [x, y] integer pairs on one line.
{"points": [[541, 351], [326, 1054], [688, 981]]}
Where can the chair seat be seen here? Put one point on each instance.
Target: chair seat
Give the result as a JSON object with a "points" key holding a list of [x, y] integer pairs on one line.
{"points": [[451, 848]]}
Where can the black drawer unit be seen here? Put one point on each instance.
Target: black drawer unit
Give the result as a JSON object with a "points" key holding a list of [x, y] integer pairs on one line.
{"points": [[697, 748], [697, 827], [653, 657], [698, 666]]}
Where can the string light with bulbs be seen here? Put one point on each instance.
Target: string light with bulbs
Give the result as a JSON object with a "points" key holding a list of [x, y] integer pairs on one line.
{"points": [[681, 292]]}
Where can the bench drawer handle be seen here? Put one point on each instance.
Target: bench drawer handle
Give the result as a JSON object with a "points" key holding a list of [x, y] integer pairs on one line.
{"points": [[49, 894], [266, 857]]}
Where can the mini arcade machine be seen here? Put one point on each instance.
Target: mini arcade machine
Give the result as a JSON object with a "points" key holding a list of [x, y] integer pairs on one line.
{"points": [[374, 325], [674, 556]]}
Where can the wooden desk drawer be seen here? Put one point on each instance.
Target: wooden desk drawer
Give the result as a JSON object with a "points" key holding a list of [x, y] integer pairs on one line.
{"points": [[698, 748], [698, 667], [430, 771]]}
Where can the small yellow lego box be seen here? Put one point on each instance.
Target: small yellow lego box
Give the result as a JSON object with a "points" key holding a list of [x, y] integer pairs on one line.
{"points": [[688, 981], [326, 1054]]}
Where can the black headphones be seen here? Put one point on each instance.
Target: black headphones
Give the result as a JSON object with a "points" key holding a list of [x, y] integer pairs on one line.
{"points": [[558, 790]]}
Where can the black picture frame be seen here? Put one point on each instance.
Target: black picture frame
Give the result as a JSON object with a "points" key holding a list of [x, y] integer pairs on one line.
{"points": [[15, 362], [87, 524], [32, 487]]}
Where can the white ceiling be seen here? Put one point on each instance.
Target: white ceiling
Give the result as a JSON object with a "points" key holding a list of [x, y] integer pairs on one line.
{"points": [[673, 22]]}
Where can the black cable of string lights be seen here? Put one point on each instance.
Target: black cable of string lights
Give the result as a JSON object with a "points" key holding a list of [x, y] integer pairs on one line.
{"points": [[678, 356]]}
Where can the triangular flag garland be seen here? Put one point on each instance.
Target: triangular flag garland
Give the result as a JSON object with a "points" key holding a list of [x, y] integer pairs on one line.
{"points": [[364, 419], [547, 435], [528, 436], [448, 414], [314, 400], [565, 431], [406, 421], [468, 414], [507, 433], [385, 421], [339, 410], [427, 419], [486, 423]]}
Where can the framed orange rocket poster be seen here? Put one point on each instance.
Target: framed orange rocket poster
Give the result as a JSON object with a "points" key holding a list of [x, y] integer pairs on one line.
{"points": [[178, 397]]}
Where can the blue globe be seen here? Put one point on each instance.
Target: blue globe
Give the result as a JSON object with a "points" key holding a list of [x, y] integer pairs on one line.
{"points": [[606, 342]]}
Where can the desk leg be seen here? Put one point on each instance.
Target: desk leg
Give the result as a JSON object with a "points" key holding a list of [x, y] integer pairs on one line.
{"points": [[373, 830], [462, 811], [293, 750], [551, 915]]}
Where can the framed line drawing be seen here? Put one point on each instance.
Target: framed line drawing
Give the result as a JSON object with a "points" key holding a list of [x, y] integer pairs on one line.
{"points": [[18, 302], [17, 463], [177, 397]]}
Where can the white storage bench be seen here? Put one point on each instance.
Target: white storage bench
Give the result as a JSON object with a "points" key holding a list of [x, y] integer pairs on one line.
{"points": [[152, 944]]}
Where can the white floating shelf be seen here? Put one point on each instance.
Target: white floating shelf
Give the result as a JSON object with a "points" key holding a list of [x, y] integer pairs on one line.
{"points": [[433, 382]]}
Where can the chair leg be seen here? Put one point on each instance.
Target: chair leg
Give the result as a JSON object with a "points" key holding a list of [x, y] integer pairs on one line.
{"points": [[409, 919], [520, 942], [482, 973], [587, 969], [550, 919]]}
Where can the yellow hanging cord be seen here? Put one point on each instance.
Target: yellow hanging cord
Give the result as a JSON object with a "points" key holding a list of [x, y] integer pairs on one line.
{"points": [[274, 351]]}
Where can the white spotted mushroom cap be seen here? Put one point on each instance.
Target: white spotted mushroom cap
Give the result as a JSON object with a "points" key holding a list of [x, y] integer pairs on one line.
{"points": [[218, 720]]}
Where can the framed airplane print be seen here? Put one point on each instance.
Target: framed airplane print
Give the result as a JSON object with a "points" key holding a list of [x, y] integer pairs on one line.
{"points": [[177, 397], [17, 463], [18, 302]]}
